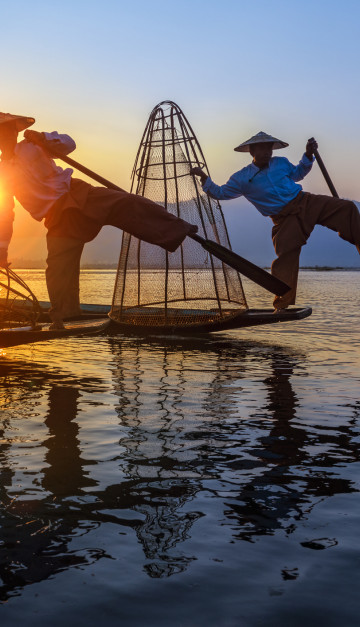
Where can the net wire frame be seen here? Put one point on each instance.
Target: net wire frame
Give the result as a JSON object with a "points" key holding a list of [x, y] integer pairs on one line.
{"points": [[154, 288], [19, 307]]}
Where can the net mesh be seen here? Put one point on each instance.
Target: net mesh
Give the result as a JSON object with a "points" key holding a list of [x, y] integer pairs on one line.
{"points": [[18, 305], [189, 286]]}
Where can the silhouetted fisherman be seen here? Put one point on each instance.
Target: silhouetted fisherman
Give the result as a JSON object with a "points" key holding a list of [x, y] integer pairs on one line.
{"points": [[74, 211], [270, 184]]}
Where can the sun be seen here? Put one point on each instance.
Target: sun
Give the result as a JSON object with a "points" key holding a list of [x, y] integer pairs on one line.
{"points": [[5, 195]]}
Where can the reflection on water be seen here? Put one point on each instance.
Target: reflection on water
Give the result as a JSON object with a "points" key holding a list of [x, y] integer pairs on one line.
{"points": [[36, 524], [218, 470], [183, 421]]}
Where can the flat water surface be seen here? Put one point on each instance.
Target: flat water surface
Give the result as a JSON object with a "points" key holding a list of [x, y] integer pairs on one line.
{"points": [[211, 480]]}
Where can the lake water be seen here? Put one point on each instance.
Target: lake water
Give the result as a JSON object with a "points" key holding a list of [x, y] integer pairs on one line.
{"points": [[185, 481]]}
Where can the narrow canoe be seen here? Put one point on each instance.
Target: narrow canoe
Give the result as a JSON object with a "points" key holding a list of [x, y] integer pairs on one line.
{"points": [[134, 320], [42, 332]]}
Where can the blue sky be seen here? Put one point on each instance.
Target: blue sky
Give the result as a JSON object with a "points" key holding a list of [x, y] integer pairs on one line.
{"points": [[96, 69]]}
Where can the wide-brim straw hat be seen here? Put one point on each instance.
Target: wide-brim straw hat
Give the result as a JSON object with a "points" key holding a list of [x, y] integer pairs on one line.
{"points": [[21, 121], [260, 138]]}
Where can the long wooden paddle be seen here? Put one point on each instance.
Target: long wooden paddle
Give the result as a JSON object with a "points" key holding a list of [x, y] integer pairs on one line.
{"points": [[325, 173], [245, 267]]}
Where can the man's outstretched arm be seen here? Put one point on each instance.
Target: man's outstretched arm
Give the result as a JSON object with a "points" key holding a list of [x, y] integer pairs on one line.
{"points": [[54, 141], [231, 189]]}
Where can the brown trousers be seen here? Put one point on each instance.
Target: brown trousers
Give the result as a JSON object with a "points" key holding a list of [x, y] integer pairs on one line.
{"points": [[294, 224], [77, 217]]}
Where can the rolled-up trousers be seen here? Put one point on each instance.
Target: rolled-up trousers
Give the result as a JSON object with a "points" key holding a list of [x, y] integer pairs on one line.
{"points": [[78, 216], [294, 224]]}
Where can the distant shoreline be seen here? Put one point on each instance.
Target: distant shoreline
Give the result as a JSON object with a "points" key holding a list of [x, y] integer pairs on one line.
{"points": [[113, 266], [329, 268]]}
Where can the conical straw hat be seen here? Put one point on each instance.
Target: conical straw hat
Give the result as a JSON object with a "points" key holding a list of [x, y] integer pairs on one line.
{"points": [[258, 139], [21, 121]]}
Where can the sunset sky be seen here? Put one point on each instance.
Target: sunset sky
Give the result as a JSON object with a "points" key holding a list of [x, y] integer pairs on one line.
{"points": [[96, 69]]}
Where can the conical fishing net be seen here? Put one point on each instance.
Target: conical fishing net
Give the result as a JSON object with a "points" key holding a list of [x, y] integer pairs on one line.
{"points": [[189, 286], [18, 305]]}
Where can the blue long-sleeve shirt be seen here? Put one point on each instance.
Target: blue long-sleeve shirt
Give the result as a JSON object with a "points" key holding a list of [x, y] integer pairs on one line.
{"points": [[268, 189]]}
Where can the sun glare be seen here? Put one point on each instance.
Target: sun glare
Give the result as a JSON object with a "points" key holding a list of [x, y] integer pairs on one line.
{"points": [[2, 194]]}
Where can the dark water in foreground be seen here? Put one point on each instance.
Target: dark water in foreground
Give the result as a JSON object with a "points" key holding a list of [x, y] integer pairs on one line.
{"points": [[207, 481]]}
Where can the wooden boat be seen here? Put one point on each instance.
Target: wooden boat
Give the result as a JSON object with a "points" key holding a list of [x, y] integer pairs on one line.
{"points": [[145, 321], [150, 320], [23, 320], [95, 320], [27, 335]]}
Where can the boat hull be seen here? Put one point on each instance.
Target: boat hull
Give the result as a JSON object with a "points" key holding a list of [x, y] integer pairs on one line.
{"points": [[42, 332], [249, 318], [95, 314]]}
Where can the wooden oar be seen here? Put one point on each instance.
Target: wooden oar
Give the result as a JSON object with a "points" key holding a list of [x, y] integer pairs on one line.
{"points": [[245, 267], [325, 173]]}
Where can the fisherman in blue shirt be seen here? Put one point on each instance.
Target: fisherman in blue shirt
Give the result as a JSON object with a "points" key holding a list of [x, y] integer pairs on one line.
{"points": [[271, 185]]}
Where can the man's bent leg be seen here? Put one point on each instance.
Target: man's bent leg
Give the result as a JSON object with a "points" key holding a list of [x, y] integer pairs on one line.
{"points": [[62, 276], [150, 222], [342, 216], [288, 235], [286, 268], [138, 216]]}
